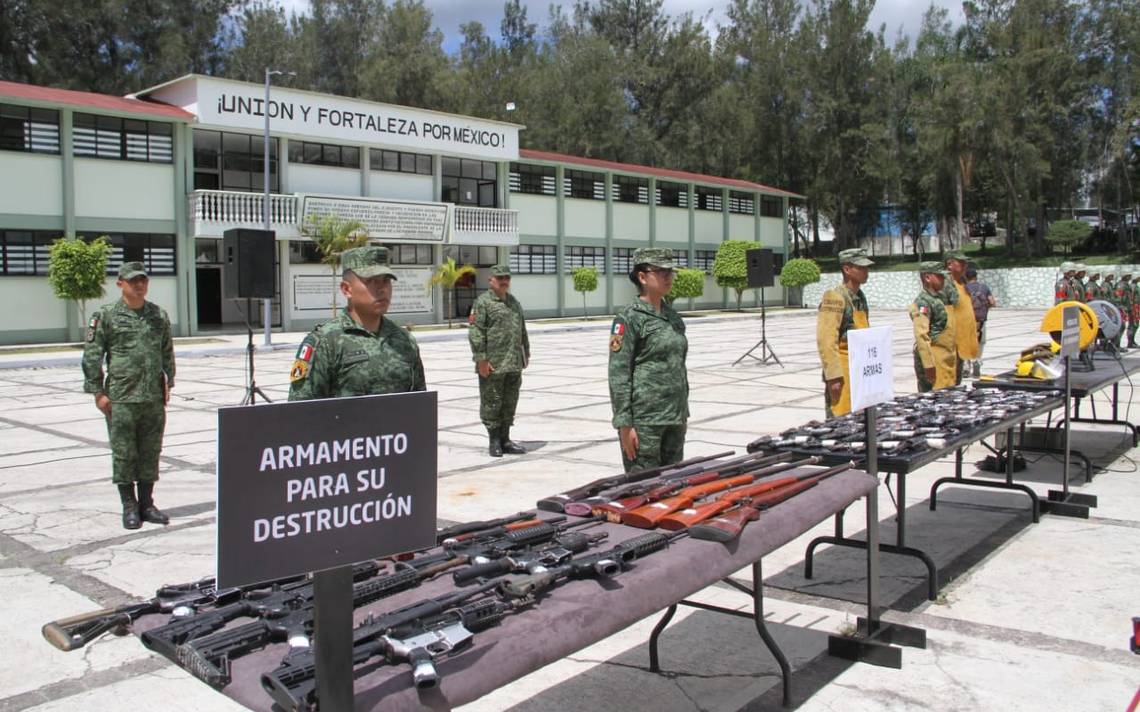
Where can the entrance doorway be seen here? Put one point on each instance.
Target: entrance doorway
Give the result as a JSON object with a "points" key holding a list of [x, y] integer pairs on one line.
{"points": [[209, 287]]}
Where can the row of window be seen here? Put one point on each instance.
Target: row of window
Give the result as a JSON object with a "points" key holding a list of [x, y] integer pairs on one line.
{"points": [[25, 252], [306, 252], [34, 130], [328, 154], [542, 259]]}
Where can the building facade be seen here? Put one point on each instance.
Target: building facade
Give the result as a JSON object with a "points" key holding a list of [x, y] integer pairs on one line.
{"points": [[166, 172]]}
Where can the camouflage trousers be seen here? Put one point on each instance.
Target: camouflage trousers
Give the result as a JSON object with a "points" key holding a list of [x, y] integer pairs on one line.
{"points": [[657, 445], [135, 430], [498, 398], [924, 386]]}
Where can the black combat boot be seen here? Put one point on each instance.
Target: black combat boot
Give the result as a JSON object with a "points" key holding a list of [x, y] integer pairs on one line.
{"points": [[510, 448], [147, 510], [495, 447], [130, 507]]}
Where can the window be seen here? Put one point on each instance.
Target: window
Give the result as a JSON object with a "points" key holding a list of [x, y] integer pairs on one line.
{"points": [[123, 139], [741, 203], [411, 254], [703, 260], [469, 182], [155, 251], [710, 199], [25, 252], [23, 128], [231, 161], [675, 195], [622, 260], [399, 161], [537, 180], [584, 184], [324, 154], [681, 258], [586, 257], [534, 259], [303, 252], [771, 207], [627, 189]]}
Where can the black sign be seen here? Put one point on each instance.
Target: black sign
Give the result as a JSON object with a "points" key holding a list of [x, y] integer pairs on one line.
{"points": [[312, 485]]}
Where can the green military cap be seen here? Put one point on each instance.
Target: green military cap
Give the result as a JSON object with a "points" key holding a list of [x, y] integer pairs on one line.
{"points": [[955, 255], [932, 267], [366, 262], [500, 271], [1125, 271], [654, 256], [855, 256], [1080, 267], [130, 270]]}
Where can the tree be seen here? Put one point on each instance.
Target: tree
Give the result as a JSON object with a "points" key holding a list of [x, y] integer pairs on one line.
{"points": [[77, 270], [798, 273], [687, 284], [1067, 234], [333, 236], [447, 276], [585, 280], [730, 267]]}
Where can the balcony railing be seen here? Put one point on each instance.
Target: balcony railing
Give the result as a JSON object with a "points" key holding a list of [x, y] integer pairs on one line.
{"points": [[484, 226]]}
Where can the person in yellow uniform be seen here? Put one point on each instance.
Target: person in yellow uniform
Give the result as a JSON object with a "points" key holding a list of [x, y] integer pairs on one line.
{"points": [[840, 310], [961, 310], [935, 351]]}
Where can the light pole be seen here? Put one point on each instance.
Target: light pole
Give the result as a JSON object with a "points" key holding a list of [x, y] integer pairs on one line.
{"points": [[267, 304]]}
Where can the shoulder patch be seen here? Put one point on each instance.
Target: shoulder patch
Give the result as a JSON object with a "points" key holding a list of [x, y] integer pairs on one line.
{"points": [[618, 329], [307, 348], [299, 371], [923, 309], [92, 324], [615, 342]]}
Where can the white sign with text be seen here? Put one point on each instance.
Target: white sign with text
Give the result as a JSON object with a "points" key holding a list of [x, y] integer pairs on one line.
{"points": [[410, 295], [870, 366]]}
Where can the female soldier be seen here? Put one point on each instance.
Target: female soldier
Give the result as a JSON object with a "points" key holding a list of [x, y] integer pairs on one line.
{"points": [[649, 387]]}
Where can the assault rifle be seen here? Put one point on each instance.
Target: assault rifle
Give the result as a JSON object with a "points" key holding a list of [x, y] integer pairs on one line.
{"points": [[466, 528], [531, 560], [555, 503], [177, 599], [614, 503], [419, 634], [728, 526]]}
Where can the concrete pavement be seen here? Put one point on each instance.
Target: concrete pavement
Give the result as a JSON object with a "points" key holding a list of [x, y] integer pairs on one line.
{"points": [[1031, 617]]}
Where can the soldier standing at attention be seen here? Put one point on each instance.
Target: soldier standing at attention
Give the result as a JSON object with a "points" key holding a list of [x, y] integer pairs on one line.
{"points": [[501, 350], [1062, 288], [1135, 321], [132, 337], [935, 352], [1079, 281], [960, 305], [840, 310], [649, 386], [1127, 304], [359, 353], [1093, 287]]}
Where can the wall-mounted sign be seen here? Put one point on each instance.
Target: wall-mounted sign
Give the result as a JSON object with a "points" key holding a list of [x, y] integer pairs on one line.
{"points": [[313, 293], [395, 220]]}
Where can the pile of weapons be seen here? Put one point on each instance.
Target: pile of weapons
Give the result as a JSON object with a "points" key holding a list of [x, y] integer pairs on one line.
{"points": [[499, 567], [909, 424]]}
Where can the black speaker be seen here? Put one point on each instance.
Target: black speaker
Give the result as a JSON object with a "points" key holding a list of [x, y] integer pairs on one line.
{"points": [[761, 268], [248, 256]]}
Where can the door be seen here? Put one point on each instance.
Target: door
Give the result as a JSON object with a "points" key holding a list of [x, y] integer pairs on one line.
{"points": [[209, 284]]}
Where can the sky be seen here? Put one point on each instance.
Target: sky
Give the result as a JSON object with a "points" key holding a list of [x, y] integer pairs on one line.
{"points": [[904, 15]]}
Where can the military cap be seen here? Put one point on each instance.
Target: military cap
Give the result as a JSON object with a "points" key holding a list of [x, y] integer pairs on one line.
{"points": [[855, 256], [932, 267], [1066, 267], [654, 256], [500, 270], [130, 270], [366, 262], [1080, 267], [955, 255], [1126, 271]]}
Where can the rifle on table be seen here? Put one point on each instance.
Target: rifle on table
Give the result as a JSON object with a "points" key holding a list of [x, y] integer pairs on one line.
{"points": [[728, 526], [182, 599], [648, 515], [500, 530], [531, 560], [620, 503], [466, 528], [556, 503], [418, 633]]}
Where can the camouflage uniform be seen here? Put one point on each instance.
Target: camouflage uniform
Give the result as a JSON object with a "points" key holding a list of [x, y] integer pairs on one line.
{"points": [[840, 310], [1093, 288], [649, 385], [1080, 282], [341, 358], [934, 343], [1127, 305], [1135, 287], [1063, 287], [497, 333]]}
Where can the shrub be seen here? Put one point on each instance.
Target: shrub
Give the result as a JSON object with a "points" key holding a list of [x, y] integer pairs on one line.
{"points": [[77, 270], [689, 283], [1067, 234], [585, 280], [730, 268], [799, 272]]}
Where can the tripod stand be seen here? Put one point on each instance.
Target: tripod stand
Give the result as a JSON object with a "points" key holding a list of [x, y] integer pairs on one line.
{"points": [[766, 352], [251, 389]]}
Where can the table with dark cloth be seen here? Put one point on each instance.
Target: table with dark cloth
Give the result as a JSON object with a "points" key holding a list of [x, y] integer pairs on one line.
{"points": [[569, 617]]}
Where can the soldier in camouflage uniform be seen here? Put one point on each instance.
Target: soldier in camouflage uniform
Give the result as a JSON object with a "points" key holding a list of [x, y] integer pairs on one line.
{"points": [[1063, 287], [1080, 281], [840, 310], [1126, 302], [501, 350], [935, 351], [1135, 321], [961, 309], [649, 385], [132, 337], [1093, 287], [359, 353]]}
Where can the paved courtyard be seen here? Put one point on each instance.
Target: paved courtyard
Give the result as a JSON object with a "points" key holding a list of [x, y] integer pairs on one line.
{"points": [[1031, 616]]}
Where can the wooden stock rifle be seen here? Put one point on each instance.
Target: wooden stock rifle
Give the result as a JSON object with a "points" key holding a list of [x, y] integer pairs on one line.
{"points": [[728, 526], [648, 515], [556, 503]]}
